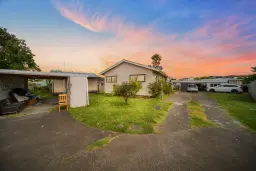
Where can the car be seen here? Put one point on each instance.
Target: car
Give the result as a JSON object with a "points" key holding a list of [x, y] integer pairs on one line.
{"points": [[227, 88], [192, 88]]}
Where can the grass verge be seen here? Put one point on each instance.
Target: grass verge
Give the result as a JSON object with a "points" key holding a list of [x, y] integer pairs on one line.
{"points": [[197, 115], [99, 144], [111, 113], [239, 106]]}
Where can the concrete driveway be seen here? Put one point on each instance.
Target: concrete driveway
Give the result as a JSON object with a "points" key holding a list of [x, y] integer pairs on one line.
{"points": [[55, 141], [37, 142]]}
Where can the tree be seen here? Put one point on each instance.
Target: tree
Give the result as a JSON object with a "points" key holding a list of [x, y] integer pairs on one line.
{"points": [[14, 53], [156, 59], [127, 89], [254, 69], [251, 77]]}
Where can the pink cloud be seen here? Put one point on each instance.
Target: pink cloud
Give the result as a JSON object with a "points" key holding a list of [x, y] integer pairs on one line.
{"points": [[216, 48]]}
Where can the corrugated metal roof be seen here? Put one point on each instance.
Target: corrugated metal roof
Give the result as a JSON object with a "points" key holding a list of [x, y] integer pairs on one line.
{"points": [[216, 80], [89, 75], [36, 73]]}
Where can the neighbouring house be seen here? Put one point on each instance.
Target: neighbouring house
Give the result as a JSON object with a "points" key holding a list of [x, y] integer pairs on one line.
{"points": [[125, 70], [36, 83], [93, 81]]}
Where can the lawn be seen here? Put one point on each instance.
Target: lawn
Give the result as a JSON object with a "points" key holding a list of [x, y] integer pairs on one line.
{"points": [[197, 115], [43, 93], [239, 106], [111, 113]]}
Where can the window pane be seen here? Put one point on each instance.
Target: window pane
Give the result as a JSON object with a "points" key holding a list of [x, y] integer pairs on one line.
{"points": [[113, 79], [141, 78], [133, 77], [108, 79]]}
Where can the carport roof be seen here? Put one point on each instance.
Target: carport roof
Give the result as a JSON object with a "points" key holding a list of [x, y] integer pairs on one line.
{"points": [[216, 80], [36, 74]]}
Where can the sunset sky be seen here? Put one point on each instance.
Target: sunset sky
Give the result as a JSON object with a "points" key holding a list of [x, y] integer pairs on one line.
{"points": [[194, 37]]}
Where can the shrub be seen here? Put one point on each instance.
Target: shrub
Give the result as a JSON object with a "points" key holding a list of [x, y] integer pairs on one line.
{"points": [[127, 89], [157, 87], [167, 89]]}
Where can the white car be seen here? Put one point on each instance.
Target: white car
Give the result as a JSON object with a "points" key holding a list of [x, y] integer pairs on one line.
{"points": [[192, 88], [228, 88]]}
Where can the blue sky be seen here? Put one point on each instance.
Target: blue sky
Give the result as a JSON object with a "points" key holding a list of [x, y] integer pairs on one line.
{"points": [[89, 35]]}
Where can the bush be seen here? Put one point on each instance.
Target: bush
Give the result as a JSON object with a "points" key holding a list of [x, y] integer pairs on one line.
{"points": [[167, 89], [157, 87], [127, 89]]}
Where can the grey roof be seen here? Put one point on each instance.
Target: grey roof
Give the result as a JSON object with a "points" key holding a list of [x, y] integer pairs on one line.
{"points": [[38, 74], [216, 80], [89, 75]]}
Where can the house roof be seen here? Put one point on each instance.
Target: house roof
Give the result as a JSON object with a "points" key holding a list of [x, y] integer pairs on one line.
{"points": [[133, 63], [89, 75]]}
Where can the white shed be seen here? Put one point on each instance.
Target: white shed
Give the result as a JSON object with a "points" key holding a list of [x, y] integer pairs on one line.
{"points": [[75, 85]]}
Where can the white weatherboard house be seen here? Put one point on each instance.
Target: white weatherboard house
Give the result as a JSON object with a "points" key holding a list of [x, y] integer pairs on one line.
{"points": [[125, 70]]}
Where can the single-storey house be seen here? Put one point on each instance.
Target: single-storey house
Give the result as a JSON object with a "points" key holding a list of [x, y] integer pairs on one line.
{"points": [[125, 70], [93, 81]]}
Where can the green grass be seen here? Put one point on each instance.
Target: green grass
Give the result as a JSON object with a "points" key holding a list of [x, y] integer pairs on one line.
{"points": [[240, 106], [111, 113], [99, 144], [43, 93], [197, 115]]}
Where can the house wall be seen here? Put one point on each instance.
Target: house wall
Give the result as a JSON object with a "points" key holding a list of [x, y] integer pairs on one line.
{"points": [[252, 89], [92, 84], [123, 72], [7, 83], [59, 86]]}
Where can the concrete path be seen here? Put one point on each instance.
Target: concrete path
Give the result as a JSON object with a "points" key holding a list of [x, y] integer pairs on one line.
{"points": [[177, 118], [215, 113]]}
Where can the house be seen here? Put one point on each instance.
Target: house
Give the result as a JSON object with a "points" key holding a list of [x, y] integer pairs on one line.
{"points": [[93, 81], [125, 70]]}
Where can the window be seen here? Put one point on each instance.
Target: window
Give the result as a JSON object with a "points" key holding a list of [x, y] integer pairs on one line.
{"points": [[214, 85], [139, 77], [111, 79]]}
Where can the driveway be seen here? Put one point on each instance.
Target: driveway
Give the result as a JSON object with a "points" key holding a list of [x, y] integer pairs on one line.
{"points": [[37, 142], [55, 141]]}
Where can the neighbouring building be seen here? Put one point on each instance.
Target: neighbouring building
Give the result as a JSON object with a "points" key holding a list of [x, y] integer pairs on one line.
{"points": [[203, 83], [93, 81], [125, 70], [252, 89]]}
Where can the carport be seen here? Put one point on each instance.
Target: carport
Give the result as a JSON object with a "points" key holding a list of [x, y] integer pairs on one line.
{"points": [[204, 83], [75, 85]]}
